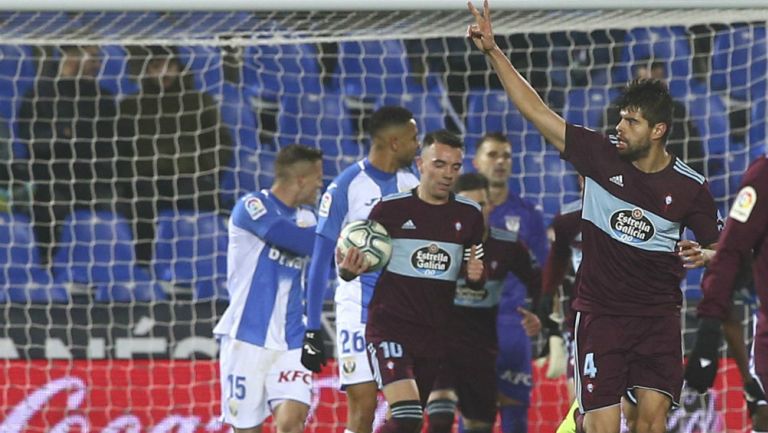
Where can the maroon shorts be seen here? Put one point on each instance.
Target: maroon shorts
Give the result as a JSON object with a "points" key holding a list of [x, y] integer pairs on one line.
{"points": [[473, 377], [759, 362], [619, 353], [392, 361]]}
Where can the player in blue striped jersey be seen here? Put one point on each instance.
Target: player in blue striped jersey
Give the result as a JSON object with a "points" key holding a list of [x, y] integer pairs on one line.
{"points": [[271, 233], [350, 197]]}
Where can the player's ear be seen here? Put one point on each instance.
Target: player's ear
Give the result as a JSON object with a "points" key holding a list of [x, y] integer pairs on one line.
{"points": [[419, 163], [659, 130]]}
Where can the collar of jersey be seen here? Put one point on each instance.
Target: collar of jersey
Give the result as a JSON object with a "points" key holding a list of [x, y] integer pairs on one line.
{"points": [[282, 207], [375, 172]]}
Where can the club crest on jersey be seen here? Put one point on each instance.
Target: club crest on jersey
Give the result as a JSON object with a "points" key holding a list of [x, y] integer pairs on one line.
{"points": [[743, 205], [632, 226], [431, 260], [512, 223], [255, 207]]}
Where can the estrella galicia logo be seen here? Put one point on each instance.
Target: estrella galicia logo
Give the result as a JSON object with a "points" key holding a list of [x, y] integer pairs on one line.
{"points": [[431, 260], [632, 226]]}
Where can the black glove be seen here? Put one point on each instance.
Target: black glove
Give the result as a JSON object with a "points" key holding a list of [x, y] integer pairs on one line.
{"points": [[753, 394], [544, 312], [702, 364], [313, 351]]}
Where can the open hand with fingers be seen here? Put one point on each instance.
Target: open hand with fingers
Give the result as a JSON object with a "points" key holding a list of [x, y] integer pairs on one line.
{"points": [[481, 31], [352, 264]]}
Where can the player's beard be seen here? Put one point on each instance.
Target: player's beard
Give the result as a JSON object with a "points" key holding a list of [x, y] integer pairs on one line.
{"points": [[633, 152]]}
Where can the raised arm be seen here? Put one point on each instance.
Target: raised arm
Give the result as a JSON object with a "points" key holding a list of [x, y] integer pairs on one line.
{"points": [[549, 123]]}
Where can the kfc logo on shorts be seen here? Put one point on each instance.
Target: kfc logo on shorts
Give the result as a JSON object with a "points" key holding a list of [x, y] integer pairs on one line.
{"points": [[632, 226], [431, 260], [294, 375]]}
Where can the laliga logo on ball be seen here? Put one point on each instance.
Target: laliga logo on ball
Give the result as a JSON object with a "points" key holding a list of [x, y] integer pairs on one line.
{"points": [[371, 238]]}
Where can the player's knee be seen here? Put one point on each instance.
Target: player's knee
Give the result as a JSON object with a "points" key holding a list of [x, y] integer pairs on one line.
{"points": [[649, 426], [441, 413], [362, 402], [407, 417], [290, 425], [760, 419]]}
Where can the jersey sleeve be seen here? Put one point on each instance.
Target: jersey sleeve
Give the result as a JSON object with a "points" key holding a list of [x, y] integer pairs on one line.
{"points": [[522, 265], [704, 219], [535, 236], [333, 211], [258, 216], [746, 226], [584, 148]]}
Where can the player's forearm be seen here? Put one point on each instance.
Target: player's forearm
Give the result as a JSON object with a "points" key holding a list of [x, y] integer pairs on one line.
{"points": [[734, 336], [527, 101], [317, 280], [288, 236]]}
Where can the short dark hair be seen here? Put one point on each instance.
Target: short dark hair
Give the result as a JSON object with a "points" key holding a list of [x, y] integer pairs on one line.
{"points": [[293, 154], [443, 136], [652, 98], [471, 182], [495, 136], [387, 116]]}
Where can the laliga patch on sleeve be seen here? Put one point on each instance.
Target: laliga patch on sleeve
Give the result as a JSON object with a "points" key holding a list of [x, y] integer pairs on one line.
{"points": [[743, 205], [325, 205], [255, 208]]}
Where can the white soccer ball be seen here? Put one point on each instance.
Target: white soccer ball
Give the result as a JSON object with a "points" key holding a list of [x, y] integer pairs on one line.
{"points": [[371, 238]]}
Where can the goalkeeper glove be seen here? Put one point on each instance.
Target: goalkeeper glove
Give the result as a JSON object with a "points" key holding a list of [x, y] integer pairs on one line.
{"points": [[558, 357], [702, 364], [313, 351], [753, 394]]}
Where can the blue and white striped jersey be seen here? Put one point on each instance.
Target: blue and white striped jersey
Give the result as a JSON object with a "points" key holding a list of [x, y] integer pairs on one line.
{"points": [[268, 247], [350, 197]]}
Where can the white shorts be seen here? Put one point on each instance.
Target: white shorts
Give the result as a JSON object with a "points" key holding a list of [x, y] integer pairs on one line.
{"points": [[254, 380], [350, 347]]}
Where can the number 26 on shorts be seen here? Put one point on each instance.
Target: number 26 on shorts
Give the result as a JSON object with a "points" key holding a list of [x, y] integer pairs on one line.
{"points": [[590, 369]]}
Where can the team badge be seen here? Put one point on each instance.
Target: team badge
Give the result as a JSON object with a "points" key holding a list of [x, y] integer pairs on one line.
{"points": [[325, 205], [458, 226], [668, 200], [512, 223], [743, 205], [232, 406], [390, 365], [349, 366], [255, 207]]}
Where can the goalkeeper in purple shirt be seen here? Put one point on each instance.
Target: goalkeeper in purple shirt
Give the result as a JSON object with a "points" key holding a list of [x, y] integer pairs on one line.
{"points": [[522, 222], [744, 239]]}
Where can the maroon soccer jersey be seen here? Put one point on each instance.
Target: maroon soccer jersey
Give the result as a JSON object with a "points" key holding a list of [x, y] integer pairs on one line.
{"points": [[631, 223], [473, 325], [745, 236], [413, 299]]}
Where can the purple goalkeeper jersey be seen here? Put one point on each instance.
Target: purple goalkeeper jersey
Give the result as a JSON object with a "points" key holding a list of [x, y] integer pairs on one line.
{"points": [[745, 237], [631, 224], [413, 299]]}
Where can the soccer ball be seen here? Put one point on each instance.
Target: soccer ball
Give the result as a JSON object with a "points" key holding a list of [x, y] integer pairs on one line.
{"points": [[371, 238]]}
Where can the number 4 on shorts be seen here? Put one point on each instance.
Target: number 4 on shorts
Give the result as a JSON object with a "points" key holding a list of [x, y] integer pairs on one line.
{"points": [[590, 369]]}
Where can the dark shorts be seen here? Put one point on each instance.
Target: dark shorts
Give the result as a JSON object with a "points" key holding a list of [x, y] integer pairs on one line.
{"points": [[759, 356], [617, 353], [391, 361], [473, 376], [513, 365]]}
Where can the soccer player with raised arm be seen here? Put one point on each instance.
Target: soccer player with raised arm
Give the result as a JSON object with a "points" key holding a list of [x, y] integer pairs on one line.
{"points": [[436, 239], [638, 199], [271, 234], [744, 239], [469, 373], [519, 219], [350, 197]]}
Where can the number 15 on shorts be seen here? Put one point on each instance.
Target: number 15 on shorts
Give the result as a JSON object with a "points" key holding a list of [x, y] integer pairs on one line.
{"points": [[590, 369]]}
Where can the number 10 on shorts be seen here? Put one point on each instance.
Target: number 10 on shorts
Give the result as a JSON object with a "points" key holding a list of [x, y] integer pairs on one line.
{"points": [[590, 369]]}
